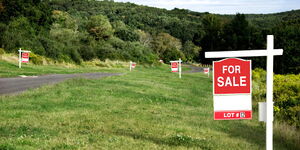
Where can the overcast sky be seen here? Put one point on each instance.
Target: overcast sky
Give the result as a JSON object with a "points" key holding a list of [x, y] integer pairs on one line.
{"points": [[224, 6]]}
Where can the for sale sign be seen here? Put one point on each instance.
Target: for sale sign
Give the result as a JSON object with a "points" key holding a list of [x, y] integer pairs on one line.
{"points": [[25, 57], [133, 65], [206, 70], [232, 89], [174, 66]]}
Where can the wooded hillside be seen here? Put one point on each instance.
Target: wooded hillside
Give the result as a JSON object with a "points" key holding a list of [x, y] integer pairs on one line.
{"points": [[80, 30]]}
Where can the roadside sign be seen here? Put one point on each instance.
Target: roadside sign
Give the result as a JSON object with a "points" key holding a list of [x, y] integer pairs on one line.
{"points": [[133, 65], [270, 52], [174, 66], [25, 57], [206, 70], [232, 89]]}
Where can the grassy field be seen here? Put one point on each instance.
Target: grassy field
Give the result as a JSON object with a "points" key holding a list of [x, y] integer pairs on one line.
{"points": [[148, 108]]}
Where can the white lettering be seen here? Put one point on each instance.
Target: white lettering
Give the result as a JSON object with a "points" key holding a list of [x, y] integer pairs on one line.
{"points": [[228, 115], [243, 81], [238, 69], [234, 82], [228, 82], [220, 81], [224, 68], [231, 69]]}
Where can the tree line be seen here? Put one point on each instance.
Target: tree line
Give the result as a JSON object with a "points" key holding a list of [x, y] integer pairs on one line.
{"points": [[81, 30]]}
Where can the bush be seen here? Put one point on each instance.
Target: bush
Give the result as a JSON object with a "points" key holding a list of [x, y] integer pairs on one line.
{"points": [[2, 51], [106, 51], [286, 92], [287, 98], [259, 84], [35, 59]]}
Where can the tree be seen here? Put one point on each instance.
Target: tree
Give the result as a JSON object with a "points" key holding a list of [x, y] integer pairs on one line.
{"points": [[212, 39], [167, 47], [36, 11], [191, 51], [287, 37], [145, 38], [20, 34], [237, 33], [124, 32], [64, 33], [100, 27]]}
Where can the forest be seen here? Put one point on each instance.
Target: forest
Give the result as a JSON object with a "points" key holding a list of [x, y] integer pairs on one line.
{"points": [[81, 30]]}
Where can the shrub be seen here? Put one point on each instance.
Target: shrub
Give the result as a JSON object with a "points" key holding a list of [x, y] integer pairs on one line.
{"points": [[287, 98], [35, 59], [286, 92], [2, 51]]}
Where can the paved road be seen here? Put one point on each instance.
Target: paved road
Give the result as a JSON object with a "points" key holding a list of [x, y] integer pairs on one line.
{"points": [[17, 85], [194, 69]]}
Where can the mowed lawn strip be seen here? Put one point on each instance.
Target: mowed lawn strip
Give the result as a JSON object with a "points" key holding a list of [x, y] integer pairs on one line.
{"points": [[12, 70], [148, 108]]}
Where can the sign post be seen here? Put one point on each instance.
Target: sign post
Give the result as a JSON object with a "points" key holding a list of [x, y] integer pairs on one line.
{"points": [[23, 57], [176, 66], [179, 68], [270, 52], [132, 65]]}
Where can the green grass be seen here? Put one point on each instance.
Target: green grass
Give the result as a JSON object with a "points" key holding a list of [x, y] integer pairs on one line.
{"points": [[148, 108], [8, 69]]}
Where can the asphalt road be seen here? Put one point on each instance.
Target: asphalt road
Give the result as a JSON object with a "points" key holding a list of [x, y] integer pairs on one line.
{"points": [[20, 84], [194, 69]]}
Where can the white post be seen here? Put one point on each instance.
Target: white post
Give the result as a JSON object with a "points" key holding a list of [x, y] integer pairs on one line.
{"points": [[180, 68], [130, 65], [208, 71], [269, 126], [20, 60]]}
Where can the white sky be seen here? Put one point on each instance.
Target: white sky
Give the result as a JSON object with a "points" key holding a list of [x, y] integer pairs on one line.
{"points": [[223, 6]]}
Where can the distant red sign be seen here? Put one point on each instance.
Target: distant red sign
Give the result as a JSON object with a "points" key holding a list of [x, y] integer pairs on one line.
{"points": [[206, 70], [174, 66], [133, 65], [25, 57], [232, 76]]}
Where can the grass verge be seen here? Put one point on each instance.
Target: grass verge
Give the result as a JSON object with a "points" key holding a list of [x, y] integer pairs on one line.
{"points": [[8, 69], [148, 108]]}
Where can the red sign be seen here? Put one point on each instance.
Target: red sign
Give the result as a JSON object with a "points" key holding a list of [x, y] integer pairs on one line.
{"points": [[133, 65], [232, 89], [25, 57], [233, 114], [174, 66], [232, 76], [206, 70]]}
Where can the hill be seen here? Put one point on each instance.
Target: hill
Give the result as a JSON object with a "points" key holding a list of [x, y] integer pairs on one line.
{"points": [[81, 30]]}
